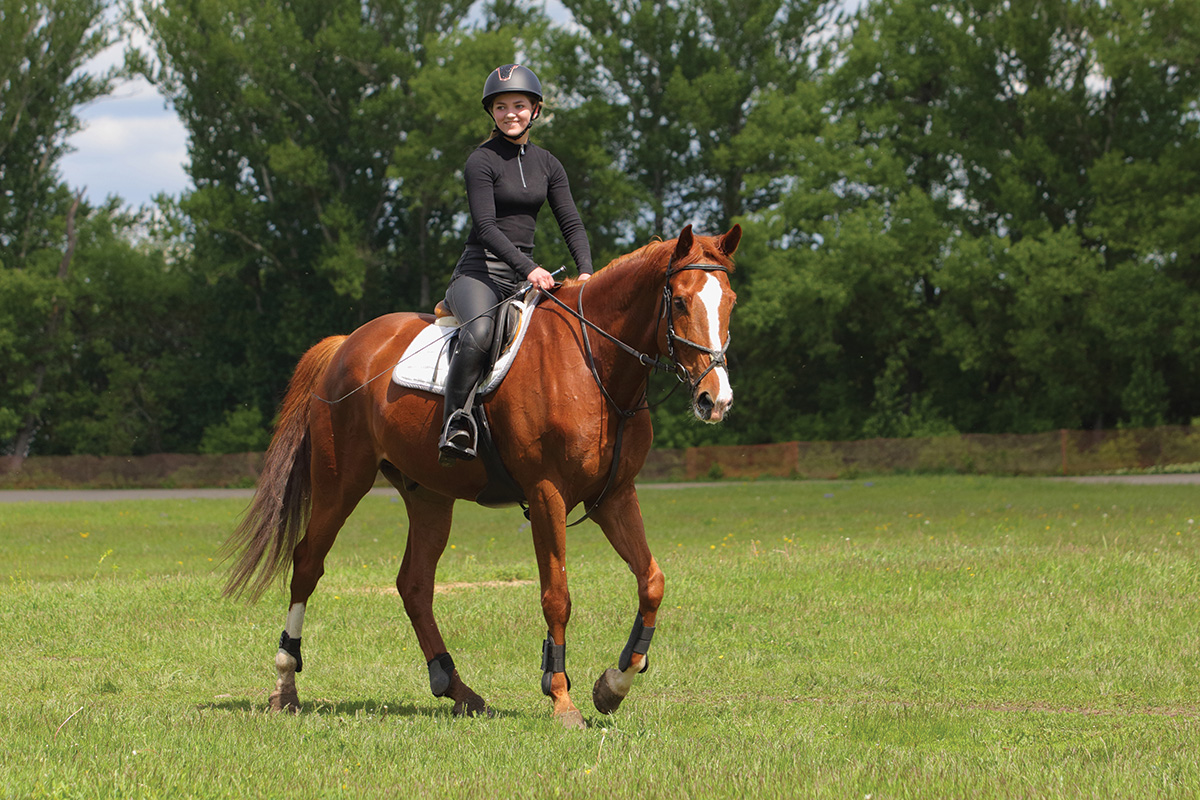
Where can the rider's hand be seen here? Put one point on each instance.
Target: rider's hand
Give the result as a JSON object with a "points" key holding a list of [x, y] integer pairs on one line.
{"points": [[541, 278], [583, 276]]}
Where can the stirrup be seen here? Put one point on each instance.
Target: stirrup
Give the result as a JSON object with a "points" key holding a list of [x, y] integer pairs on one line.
{"points": [[458, 438]]}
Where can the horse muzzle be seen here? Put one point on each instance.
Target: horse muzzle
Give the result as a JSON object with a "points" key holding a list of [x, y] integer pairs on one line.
{"points": [[710, 408]]}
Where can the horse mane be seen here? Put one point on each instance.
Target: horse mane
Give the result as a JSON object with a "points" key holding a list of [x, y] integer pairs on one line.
{"points": [[657, 255], [612, 286]]}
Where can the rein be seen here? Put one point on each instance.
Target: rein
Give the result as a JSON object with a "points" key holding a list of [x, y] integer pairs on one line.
{"points": [[654, 363]]}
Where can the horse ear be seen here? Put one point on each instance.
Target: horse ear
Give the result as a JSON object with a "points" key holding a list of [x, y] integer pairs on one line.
{"points": [[683, 245], [729, 242]]}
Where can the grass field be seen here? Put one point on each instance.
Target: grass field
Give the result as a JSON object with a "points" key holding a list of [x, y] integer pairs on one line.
{"points": [[901, 637]]}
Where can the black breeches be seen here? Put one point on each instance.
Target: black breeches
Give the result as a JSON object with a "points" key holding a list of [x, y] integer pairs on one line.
{"points": [[473, 299]]}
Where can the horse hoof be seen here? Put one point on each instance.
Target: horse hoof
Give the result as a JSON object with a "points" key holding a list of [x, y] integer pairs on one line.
{"points": [[605, 699], [571, 720], [285, 701], [474, 707]]}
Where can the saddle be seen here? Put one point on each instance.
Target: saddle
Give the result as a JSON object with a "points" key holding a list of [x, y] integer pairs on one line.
{"points": [[426, 361], [503, 335]]}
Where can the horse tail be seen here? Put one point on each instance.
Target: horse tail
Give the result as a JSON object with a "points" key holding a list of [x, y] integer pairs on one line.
{"points": [[279, 512]]}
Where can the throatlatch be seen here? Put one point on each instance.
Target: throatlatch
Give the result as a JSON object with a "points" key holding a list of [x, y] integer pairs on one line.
{"points": [[639, 642], [441, 670], [554, 659], [292, 648]]}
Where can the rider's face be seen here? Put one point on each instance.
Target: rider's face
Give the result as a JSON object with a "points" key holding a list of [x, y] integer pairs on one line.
{"points": [[512, 112]]}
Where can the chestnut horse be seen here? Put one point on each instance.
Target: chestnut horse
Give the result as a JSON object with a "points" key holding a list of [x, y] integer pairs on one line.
{"points": [[571, 425]]}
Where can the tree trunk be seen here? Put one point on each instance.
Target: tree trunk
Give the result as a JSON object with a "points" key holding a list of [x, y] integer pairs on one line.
{"points": [[29, 425]]}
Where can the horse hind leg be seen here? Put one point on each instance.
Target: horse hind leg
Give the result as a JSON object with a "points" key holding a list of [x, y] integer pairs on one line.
{"points": [[334, 496], [620, 518], [288, 662], [429, 518]]}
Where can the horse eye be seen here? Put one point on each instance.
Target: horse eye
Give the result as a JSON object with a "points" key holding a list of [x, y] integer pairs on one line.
{"points": [[680, 305]]}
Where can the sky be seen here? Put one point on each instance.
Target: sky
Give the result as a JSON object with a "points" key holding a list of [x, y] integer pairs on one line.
{"points": [[133, 145]]}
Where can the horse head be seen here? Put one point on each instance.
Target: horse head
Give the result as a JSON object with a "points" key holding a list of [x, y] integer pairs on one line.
{"points": [[694, 329]]}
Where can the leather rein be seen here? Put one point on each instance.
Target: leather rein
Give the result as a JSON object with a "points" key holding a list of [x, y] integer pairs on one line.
{"points": [[654, 363]]}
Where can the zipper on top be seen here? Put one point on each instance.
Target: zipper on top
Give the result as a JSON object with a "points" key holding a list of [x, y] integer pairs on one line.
{"points": [[520, 153]]}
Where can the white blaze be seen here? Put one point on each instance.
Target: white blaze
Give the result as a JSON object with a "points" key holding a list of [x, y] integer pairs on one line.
{"points": [[710, 297]]}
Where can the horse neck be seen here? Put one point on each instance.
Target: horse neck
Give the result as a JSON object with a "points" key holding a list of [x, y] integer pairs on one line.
{"points": [[624, 301]]}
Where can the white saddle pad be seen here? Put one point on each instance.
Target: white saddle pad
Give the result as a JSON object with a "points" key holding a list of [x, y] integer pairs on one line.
{"points": [[426, 360]]}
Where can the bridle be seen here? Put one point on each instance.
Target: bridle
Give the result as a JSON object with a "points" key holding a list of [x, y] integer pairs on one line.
{"points": [[716, 359], [666, 310]]}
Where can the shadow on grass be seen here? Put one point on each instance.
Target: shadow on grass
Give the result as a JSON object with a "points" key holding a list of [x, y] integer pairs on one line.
{"points": [[352, 708]]}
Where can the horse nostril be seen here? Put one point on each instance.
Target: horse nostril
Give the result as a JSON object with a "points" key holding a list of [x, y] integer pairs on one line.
{"points": [[704, 406]]}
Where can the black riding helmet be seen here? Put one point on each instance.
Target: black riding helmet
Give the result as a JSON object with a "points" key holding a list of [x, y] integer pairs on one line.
{"points": [[511, 78]]}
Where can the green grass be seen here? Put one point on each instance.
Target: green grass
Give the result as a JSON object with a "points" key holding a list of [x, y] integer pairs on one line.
{"points": [[901, 637]]}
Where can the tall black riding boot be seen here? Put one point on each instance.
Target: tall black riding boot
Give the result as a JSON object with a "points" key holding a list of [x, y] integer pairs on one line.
{"points": [[458, 427]]}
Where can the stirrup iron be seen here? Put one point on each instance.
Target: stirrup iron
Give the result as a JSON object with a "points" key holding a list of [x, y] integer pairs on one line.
{"points": [[453, 450]]}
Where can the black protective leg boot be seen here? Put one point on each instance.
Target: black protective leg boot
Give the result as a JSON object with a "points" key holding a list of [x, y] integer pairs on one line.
{"points": [[458, 427]]}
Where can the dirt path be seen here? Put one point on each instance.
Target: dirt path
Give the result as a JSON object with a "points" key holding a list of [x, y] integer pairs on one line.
{"points": [[1133, 479], [102, 495]]}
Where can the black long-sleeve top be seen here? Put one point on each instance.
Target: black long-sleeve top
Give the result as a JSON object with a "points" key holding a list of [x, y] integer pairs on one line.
{"points": [[507, 184]]}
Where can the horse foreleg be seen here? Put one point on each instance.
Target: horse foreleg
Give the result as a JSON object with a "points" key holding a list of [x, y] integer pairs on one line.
{"points": [[547, 515], [620, 517], [429, 517]]}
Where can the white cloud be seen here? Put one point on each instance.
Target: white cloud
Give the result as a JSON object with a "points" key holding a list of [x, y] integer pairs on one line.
{"points": [[132, 145]]}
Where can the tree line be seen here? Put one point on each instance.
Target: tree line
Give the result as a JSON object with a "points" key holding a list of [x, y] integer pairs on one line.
{"points": [[965, 216]]}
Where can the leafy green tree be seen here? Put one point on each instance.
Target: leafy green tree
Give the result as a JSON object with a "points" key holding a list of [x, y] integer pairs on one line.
{"points": [[43, 47], [684, 75], [956, 237], [128, 379], [241, 431], [295, 114]]}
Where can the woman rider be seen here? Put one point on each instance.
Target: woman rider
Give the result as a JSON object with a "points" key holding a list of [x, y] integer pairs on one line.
{"points": [[508, 180]]}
